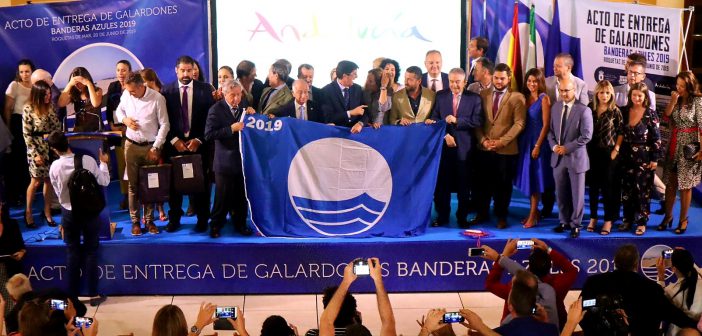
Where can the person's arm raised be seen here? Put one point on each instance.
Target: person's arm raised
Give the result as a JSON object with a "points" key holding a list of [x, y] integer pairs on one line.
{"points": [[387, 318], [326, 321]]}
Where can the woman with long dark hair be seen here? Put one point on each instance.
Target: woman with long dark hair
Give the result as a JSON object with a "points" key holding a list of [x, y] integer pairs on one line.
{"points": [[603, 177], [378, 96], [39, 119], [639, 144], [685, 113], [686, 291], [534, 173], [86, 99]]}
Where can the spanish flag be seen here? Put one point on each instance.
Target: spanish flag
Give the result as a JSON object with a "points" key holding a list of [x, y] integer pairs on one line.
{"points": [[514, 56]]}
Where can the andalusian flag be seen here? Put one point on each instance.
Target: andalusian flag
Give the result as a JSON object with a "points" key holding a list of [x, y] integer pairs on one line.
{"points": [[514, 57], [531, 56]]}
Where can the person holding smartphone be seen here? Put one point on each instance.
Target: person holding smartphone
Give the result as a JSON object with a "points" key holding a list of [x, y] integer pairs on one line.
{"points": [[686, 292], [387, 319]]}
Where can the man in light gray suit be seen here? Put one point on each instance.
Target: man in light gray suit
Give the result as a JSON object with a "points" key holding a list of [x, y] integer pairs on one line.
{"points": [[562, 69], [570, 131]]}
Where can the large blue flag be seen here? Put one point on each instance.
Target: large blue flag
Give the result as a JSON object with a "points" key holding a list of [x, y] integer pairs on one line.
{"points": [[306, 179]]}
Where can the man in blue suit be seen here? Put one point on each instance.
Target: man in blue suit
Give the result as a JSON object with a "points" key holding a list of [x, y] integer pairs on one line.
{"points": [[434, 79], [224, 122], [570, 131], [462, 111], [187, 102], [344, 104]]}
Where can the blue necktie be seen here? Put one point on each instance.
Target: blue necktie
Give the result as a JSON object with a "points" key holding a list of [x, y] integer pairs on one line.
{"points": [[563, 124], [347, 99]]}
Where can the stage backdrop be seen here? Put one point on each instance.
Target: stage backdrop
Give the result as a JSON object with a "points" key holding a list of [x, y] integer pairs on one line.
{"points": [[598, 34], [96, 34], [305, 179]]}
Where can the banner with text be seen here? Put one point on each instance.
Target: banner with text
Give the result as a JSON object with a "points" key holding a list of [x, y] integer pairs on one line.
{"points": [[305, 179], [96, 34], [310, 265]]}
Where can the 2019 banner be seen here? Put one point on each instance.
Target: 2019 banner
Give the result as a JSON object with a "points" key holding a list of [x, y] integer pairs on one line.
{"points": [[97, 34]]}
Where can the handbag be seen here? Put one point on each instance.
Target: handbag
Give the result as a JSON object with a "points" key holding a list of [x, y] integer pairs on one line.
{"points": [[691, 149], [188, 175], [154, 183]]}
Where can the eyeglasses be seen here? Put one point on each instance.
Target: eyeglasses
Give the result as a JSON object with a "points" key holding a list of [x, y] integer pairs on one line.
{"points": [[635, 74]]}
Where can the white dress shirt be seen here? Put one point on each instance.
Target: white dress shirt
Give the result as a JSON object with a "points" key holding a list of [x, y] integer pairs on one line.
{"points": [[149, 112], [61, 170], [190, 108]]}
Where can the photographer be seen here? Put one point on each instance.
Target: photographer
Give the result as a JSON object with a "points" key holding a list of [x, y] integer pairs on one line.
{"points": [[642, 300], [327, 320], [686, 292], [552, 288]]}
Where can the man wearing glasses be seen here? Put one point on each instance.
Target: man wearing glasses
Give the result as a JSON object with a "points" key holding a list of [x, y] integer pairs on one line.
{"points": [[635, 73]]}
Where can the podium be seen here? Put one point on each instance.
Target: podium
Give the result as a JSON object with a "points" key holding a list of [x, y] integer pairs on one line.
{"points": [[89, 143]]}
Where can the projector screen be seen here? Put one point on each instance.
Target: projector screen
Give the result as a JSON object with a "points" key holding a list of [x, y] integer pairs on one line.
{"points": [[323, 32]]}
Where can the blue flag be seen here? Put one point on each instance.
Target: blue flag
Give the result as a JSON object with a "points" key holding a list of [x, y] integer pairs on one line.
{"points": [[554, 45], [305, 179]]}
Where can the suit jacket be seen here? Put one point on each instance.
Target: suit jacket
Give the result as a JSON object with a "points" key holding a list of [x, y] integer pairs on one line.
{"points": [[316, 94], [469, 118], [507, 124], [621, 96], [580, 90], [578, 133], [282, 97], [254, 96], [401, 106], [334, 108], [444, 80], [202, 101], [313, 113], [218, 129], [643, 301]]}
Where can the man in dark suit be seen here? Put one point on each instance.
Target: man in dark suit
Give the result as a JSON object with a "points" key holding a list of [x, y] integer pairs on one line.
{"points": [[434, 79], [643, 300], [571, 129], [344, 104], [306, 73], [278, 93], [188, 101], [301, 107], [477, 48], [505, 115], [223, 127], [462, 111], [252, 87]]}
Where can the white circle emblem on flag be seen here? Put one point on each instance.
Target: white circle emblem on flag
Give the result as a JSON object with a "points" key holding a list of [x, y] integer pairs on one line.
{"points": [[339, 187]]}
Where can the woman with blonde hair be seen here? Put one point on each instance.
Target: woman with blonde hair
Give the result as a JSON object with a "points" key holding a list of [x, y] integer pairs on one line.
{"points": [[682, 172], [603, 176]]}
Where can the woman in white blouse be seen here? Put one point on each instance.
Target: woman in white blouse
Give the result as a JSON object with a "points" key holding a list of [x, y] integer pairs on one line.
{"points": [[686, 292]]}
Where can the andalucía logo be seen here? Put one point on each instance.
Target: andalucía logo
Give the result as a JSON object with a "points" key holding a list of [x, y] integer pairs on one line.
{"points": [[339, 187]]}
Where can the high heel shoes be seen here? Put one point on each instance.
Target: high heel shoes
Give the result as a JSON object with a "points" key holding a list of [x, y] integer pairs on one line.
{"points": [[681, 229], [665, 223], [50, 221], [29, 220]]}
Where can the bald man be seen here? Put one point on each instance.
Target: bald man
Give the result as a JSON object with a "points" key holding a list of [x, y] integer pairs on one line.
{"points": [[570, 131], [301, 107], [41, 74]]}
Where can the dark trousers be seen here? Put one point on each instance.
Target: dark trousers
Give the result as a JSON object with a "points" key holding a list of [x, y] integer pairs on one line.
{"points": [[453, 177], [230, 197], [201, 201], [73, 229], [604, 179], [495, 173], [17, 185]]}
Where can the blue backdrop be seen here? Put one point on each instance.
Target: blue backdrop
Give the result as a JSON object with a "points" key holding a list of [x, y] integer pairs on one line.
{"points": [[306, 179]]}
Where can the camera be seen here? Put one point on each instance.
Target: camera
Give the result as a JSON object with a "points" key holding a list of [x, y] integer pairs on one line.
{"points": [[605, 315], [57, 304], [524, 244], [476, 251], [222, 314], [361, 267], [82, 322], [453, 317]]}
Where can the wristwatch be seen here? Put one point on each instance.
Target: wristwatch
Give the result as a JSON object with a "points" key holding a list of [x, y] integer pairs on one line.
{"points": [[195, 330]]}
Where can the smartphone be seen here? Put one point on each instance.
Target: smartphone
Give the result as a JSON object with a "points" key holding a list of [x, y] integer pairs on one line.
{"points": [[453, 317], [524, 244], [58, 304], [361, 267], [82, 322], [589, 303], [476, 251], [226, 312], [667, 253]]}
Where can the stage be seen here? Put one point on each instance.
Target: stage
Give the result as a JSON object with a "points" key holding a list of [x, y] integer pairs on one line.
{"points": [[193, 263]]}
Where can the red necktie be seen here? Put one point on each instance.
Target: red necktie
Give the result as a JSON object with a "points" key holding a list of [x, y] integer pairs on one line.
{"points": [[184, 110], [496, 104]]}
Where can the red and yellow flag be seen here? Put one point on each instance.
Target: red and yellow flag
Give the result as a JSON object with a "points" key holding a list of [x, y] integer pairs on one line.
{"points": [[514, 56]]}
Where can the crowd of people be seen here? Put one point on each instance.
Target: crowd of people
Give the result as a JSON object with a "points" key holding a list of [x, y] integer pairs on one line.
{"points": [[621, 302]]}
